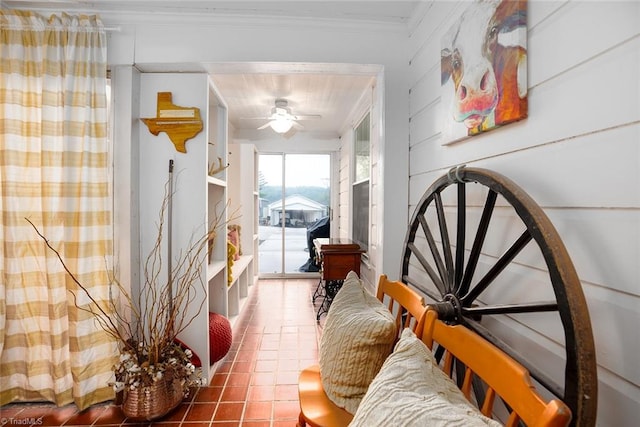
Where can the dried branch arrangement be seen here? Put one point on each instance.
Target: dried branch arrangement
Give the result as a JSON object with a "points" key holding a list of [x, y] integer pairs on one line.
{"points": [[146, 325]]}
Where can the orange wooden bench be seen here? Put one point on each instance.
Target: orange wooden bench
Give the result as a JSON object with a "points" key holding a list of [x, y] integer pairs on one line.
{"points": [[316, 409], [502, 376]]}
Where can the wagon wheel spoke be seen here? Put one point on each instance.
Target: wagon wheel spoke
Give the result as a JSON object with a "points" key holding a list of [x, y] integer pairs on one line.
{"points": [[481, 234], [499, 266], [433, 247], [416, 284], [460, 235], [446, 245], [510, 309]]}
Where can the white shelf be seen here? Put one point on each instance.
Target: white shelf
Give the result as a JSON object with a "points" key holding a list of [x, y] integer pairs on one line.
{"points": [[216, 181], [215, 268], [239, 267]]}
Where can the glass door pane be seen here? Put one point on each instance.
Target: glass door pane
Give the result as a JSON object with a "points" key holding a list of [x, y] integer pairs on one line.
{"points": [[270, 236], [294, 201], [307, 199]]}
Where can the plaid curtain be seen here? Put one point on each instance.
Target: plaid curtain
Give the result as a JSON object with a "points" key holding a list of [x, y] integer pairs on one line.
{"points": [[53, 171]]}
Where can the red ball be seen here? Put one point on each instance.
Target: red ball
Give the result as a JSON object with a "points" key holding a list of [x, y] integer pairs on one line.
{"points": [[220, 337]]}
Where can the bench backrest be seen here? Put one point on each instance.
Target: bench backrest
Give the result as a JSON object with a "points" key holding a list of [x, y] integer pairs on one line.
{"points": [[406, 305], [503, 376]]}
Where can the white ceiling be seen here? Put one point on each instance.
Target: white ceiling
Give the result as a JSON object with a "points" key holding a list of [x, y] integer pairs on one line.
{"points": [[330, 95], [250, 90]]}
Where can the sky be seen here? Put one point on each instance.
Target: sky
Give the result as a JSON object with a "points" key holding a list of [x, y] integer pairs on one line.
{"points": [[301, 169]]}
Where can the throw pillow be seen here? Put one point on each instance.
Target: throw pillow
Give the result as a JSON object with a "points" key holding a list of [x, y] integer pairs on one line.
{"points": [[358, 336], [411, 390]]}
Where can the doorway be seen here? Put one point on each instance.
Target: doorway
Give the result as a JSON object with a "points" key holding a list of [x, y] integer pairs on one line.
{"points": [[295, 200]]}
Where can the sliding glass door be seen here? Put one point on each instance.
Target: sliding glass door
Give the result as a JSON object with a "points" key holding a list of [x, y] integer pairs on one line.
{"points": [[295, 199]]}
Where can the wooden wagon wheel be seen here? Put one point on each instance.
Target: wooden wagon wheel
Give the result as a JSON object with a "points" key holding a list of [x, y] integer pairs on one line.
{"points": [[439, 262]]}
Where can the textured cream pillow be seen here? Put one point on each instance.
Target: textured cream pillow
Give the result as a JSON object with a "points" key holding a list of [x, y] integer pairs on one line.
{"points": [[410, 390], [357, 337]]}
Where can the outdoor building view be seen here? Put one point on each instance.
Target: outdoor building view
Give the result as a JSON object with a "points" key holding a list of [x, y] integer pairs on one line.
{"points": [[294, 191]]}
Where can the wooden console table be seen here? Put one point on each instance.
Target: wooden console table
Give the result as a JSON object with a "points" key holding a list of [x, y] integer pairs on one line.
{"points": [[337, 257]]}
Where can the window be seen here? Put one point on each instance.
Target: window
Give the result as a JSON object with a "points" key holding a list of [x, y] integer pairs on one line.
{"points": [[360, 189]]}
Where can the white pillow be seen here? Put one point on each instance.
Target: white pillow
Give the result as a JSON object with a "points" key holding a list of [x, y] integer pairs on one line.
{"points": [[410, 390], [358, 336]]}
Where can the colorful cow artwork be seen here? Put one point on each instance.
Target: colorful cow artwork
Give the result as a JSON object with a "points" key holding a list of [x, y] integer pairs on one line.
{"points": [[484, 69]]}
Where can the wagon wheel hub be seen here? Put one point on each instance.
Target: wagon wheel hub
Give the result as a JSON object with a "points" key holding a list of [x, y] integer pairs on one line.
{"points": [[449, 309]]}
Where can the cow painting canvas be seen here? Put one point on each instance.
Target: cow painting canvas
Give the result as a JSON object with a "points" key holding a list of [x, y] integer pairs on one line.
{"points": [[484, 68]]}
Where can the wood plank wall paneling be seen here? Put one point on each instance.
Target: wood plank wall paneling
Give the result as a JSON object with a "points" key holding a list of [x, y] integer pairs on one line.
{"points": [[577, 155]]}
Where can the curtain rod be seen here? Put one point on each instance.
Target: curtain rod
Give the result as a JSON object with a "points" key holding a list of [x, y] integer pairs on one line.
{"points": [[32, 27]]}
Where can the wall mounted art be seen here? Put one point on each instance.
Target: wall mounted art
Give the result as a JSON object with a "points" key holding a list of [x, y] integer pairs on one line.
{"points": [[179, 123], [484, 69]]}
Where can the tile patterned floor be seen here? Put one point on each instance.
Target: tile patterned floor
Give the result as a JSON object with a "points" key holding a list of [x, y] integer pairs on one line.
{"points": [[254, 386]]}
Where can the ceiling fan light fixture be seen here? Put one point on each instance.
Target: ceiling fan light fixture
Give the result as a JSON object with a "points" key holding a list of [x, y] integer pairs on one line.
{"points": [[281, 124]]}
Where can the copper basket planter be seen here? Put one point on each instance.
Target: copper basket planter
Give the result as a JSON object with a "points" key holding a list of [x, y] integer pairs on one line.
{"points": [[154, 401]]}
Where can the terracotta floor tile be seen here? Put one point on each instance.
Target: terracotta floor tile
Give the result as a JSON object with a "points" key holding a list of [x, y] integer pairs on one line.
{"points": [[258, 411], [266, 365], [111, 415], [175, 415], [285, 410], [234, 394], [286, 392], [229, 411], [59, 416], [270, 345], [208, 394], [224, 367], [256, 424], [267, 355], [255, 384], [263, 378], [219, 380], [243, 366], [261, 392], [288, 355], [288, 377], [239, 379], [200, 412]]}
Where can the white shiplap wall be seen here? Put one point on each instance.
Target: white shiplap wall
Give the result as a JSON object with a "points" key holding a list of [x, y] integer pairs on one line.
{"points": [[577, 155]]}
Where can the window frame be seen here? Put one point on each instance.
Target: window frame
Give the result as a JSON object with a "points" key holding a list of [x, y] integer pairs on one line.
{"points": [[361, 196]]}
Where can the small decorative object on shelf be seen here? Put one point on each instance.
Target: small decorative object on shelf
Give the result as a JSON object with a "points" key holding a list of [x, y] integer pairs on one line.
{"points": [[220, 337], [215, 168], [234, 237], [155, 370], [179, 123], [231, 252]]}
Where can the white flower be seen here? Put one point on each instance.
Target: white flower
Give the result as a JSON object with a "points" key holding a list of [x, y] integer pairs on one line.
{"points": [[118, 386]]}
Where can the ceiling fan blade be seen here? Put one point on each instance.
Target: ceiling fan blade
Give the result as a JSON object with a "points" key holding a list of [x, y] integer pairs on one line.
{"points": [[264, 126], [297, 125], [307, 116], [290, 132]]}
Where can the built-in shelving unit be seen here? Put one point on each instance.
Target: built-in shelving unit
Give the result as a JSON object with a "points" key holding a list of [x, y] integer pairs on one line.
{"points": [[242, 182], [206, 192]]}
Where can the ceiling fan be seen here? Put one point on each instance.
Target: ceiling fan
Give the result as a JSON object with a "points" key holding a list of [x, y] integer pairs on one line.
{"points": [[282, 121]]}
